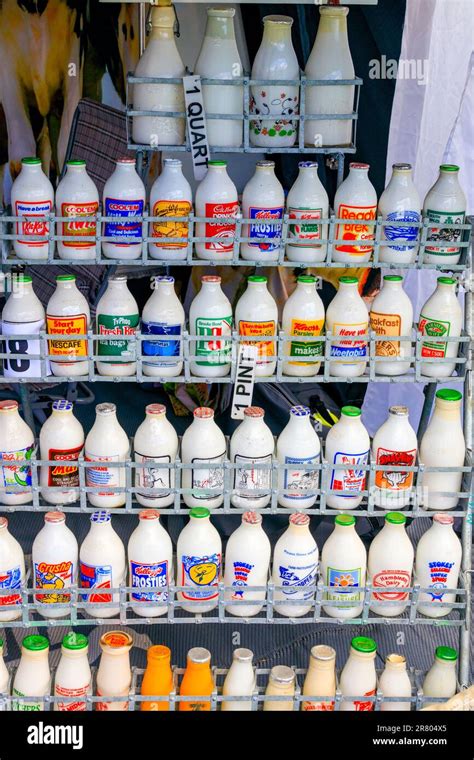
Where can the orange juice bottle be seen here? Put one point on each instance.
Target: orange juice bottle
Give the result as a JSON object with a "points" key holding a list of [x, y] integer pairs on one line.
{"points": [[158, 677], [197, 680]]}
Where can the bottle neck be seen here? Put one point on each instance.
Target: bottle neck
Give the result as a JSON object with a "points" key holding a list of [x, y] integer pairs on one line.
{"points": [[301, 423], [449, 181], [264, 173], [359, 175], [392, 286], [162, 34], [326, 666], [276, 34], [349, 289], [164, 289], [350, 422], [402, 177], [344, 531], [449, 664], [299, 531], [107, 420], [450, 411], [306, 288], [333, 25], [198, 667], [253, 422], [75, 171], [220, 27]]}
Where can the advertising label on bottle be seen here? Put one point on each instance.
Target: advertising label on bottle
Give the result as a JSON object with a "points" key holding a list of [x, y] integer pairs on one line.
{"points": [[433, 328], [26, 367], [149, 576], [26, 706], [352, 479], [50, 576], [344, 582], [196, 124], [265, 226], [76, 227], [244, 381], [98, 577], [165, 347], [178, 230], [252, 478], [300, 482], [349, 349], [305, 227], [306, 327], [123, 325], [395, 481], [70, 326], [241, 572], [390, 325], [206, 478], [37, 211], [293, 579], [151, 475], [102, 476], [216, 351], [201, 574], [222, 231], [390, 578], [254, 329], [361, 706], [394, 233], [16, 474], [355, 229], [10, 579], [62, 691], [64, 474], [126, 210], [444, 234], [439, 574]]}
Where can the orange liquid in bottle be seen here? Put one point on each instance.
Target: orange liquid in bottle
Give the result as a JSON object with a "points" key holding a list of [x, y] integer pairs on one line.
{"points": [[197, 680], [158, 678]]}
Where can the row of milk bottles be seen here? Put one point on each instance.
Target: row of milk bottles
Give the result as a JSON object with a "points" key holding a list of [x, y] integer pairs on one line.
{"points": [[73, 682]]}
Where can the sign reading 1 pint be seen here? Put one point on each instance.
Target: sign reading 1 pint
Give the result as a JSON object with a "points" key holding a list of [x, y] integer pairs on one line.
{"points": [[196, 121], [244, 380]]}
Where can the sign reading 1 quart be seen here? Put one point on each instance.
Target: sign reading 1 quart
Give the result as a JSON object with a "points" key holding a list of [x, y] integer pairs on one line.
{"points": [[196, 121]]}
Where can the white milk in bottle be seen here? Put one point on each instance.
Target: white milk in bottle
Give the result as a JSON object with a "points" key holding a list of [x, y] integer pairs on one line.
{"points": [[295, 567], [343, 569], [303, 315], [203, 444], [73, 679], [54, 560], [77, 197], [346, 318], [199, 558], [320, 679], [102, 565], [114, 676], [210, 316], [441, 679], [17, 443], [150, 562], [437, 565], [307, 203], [247, 560], [395, 443], [399, 202], [4, 676], [443, 445], [395, 682], [390, 563], [23, 316], [217, 201], [170, 196], [240, 681], [251, 446], [32, 196], [263, 200], [106, 443], [440, 317], [347, 446], [116, 318], [356, 204], [155, 442], [445, 204], [391, 314], [12, 574], [163, 316], [298, 444], [256, 316], [68, 314], [33, 677], [123, 198], [281, 683], [61, 441], [358, 676]]}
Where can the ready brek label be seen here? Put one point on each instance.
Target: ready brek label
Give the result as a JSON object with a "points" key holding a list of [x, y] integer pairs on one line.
{"points": [[202, 574], [149, 576], [439, 572], [266, 226], [77, 227], [352, 478], [344, 348], [53, 575], [37, 223], [10, 579], [356, 228], [125, 210], [98, 577]]}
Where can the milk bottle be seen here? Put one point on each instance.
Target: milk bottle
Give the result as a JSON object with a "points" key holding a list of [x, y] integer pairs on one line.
{"points": [[281, 683], [4, 675], [392, 314], [123, 198], [298, 444], [199, 558], [106, 442], [197, 681], [12, 574], [23, 316], [32, 678], [240, 681], [394, 443], [330, 58], [160, 59], [73, 675], [390, 563], [32, 196], [356, 202], [203, 444], [162, 315], [68, 314], [150, 561], [343, 568], [295, 567], [216, 200], [210, 315], [320, 679], [347, 446], [399, 202], [102, 565], [256, 314], [306, 203], [54, 558], [263, 200], [445, 204], [61, 441], [441, 679], [155, 442], [275, 59], [17, 443], [219, 59], [437, 565], [114, 676], [303, 315], [440, 317], [247, 560], [252, 444], [117, 317], [170, 195], [77, 197], [358, 676], [347, 317], [395, 682], [443, 445]]}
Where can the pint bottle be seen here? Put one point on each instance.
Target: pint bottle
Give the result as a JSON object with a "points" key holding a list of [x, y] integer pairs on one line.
{"points": [[32, 195], [399, 202], [77, 197], [155, 442], [114, 676], [199, 561], [320, 678], [358, 676], [197, 681], [440, 317], [395, 682], [23, 316], [55, 565], [441, 679], [298, 444], [391, 315], [67, 314], [16, 443], [445, 204], [73, 675], [240, 681], [12, 573], [437, 566], [203, 444], [252, 445], [157, 679], [343, 569], [106, 443], [347, 319], [303, 315], [61, 441], [390, 563], [281, 683], [395, 443], [347, 445], [170, 196], [162, 317], [33, 677], [247, 560]]}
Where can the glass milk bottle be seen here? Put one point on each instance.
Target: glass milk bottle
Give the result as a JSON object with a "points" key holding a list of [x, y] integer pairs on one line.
{"points": [[247, 561], [199, 558], [203, 444], [170, 196], [347, 317], [399, 202], [437, 566], [303, 315], [355, 203], [440, 317], [77, 198], [347, 446], [395, 443], [358, 676], [216, 200], [273, 106], [150, 565], [12, 574], [256, 314], [263, 200], [23, 315], [219, 59], [445, 204], [281, 683], [68, 314], [32, 196], [298, 444], [160, 59], [114, 676], [320, 679], [54, 561], [106, 443], [210, 315], [17, 443], [116, 318], [252, 444], [155, 442], [4, 676], [441, 679], [395, 682], [391, 314], [295, 567], [33, 677], [343, 568], [162, 316], [197, 681], [390, 563], [330, 59], [443, 445], [102, 566], [123, 197], [73, 676], [158, 679], [240, 681], [306, 203]]}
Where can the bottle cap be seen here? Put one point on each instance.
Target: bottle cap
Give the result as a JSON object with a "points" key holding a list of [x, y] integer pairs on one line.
{"points": [[155, 409], [448, 394], [105, 409], [399, 411], [165, 278], [210, 278], [76, 162], [396, 659], [126, 160], [221, 12], [62, 405], [1, 643], [116, 639], [446, 281], [199, 512], [309, 279], [243, 655], [217, 163], [3, 522], [356, 165], [333, 10], [348, 280], [449, 168], [149, 514], [75, 641], [172, 162], [299, 518], [66, 278], [199, 655], [8, 406], [257, 278], [402, 167], [252, 518], [203, 413], [300, 411], [254, 411], [282, 674], [276, 19], [307, 165], [31, 161], [101, 516], [363, 644], [443, 519], [323, 652], [395, 518], [345, 520], [393, 278], [158, 652], [35, 643], [446, 653], [55, 517], [351, 411], [265, 164]]}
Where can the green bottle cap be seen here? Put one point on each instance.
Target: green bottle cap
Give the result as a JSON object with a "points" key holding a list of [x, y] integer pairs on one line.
{"points": [[24, 278], [348, 280], [363, 644], [351, 411], [76, 162], [65, 277], [308, 278], [446, 653], [35, 643], [199, 512], [395, 518], [448, 394], [449, 168], [393, 278], [256, 278], [446, 280], [217, 163], [75, 641], [31, 161], [345, 520]]}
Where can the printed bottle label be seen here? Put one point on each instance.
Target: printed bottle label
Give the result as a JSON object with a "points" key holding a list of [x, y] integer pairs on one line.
{"points": [[205, 478], [300, 482], [98, 577], [164, 229], [355, 230], [16, 474], [241, 572], [126, 210], [265, 348], [252, 478], [10, 579], [222, 231], [439, 571], [444, 234], [352, 479], [109, 325], [102, 476], [344, 582], [63, 691], [390, 578], [37, 225], [297, 581], [395, 481], [215, 350], [305, 228], [64, 473], [270, 109], [23, 367], [71, 326], [164, 347], [318, 706], [149, 576], [310, 327], [361, 706], [349, 349], [104, 706], [26, 706], [76, 227], [434, 328], [56, 575], [386, 324], [152, 476], [398, 236], [202, 575], [265, 227]]}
